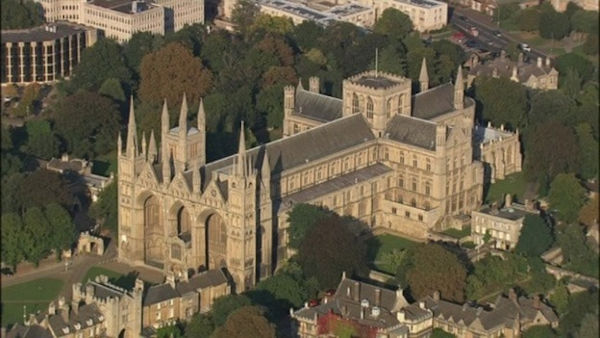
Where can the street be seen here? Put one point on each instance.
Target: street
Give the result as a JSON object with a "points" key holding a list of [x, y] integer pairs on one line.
{"points": [[463, 20]]}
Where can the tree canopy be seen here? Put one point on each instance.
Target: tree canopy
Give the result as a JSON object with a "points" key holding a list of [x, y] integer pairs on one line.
{"points": [[247, 321], [501, 101], [394, 24], [535, 238], [567, 196], [98, 63], [18, 14], [302, 219]]}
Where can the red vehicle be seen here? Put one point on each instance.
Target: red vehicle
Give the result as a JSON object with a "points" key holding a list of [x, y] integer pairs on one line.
{"points": [[330, 292], [313, 302], [458, 37]]}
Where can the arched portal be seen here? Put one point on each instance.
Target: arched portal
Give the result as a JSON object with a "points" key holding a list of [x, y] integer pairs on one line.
{"points": [[153, 232], [183, 225], [216, 242]]}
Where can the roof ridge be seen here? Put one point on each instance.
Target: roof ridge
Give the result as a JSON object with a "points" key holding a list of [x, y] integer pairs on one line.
{"points": [[319, 94], [433, 88]]}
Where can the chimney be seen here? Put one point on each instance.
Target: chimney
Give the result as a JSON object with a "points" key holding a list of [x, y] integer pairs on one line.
{"points": [[65, 157], [134, 7], [51, 309], [539, 62], [362, 312], [422, 305], [436, 296], [502, 127], [356, 291], [313, 84], [377, 297], [536, 302], [512, 295], [508, 201], [75, 307], [547, 61], [170, 279], [401, 316], [89, 294]]}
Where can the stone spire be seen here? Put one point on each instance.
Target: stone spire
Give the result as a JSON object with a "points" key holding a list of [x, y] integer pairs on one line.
{"points": [[166, 168], [119, 144], [459, 90], [424, 76], [201, 117], [241, 155], [132, 148], [265, 169], [300, 84], [144, 145], [152, 150], [196, 178], [164, 129], [183, 117]]}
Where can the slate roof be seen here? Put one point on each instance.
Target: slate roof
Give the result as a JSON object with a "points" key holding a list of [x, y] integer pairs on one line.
{"points": [[504, 67], [87, 315], [201, 281], [412, 131], [159, 293], [310, 145], [335, 184], [317, 106], [433, 102], [33, 331], [526, 307]]}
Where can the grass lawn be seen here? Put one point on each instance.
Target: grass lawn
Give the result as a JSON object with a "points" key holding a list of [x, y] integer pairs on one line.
{"points": [[455, 233], [97, 271], [35, 295], [514, 184], [377, 246]]}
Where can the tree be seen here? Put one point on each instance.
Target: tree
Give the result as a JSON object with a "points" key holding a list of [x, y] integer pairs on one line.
{"points": [[140, 44], [551, 149], [439, 333], [501, 101], [535, 238], [580, 304], [544, 331], [553, 25], [394, 24], [41, 141], [304, 35], [28, 100], [588, 147], [589, 326], [445, 273], [529, 19], [106, 207], [552, 105], [201, 325], [392, 60], [21, 14], [42, 187], [567, 196], [560, 298], [88, 122], [265, 23], [12, 237], [11, 192], [243, 15], [590, 46], [247, 321], [302, 218], [330, 248], [585, 22], [577, 62], [589, 214], [492, 274], [36, 233], [571, 85], [285, 289], [172, 71], [98, 63], [171, 331], [112, 88], [269, 102], [577, 255], [225, 305], [63, 233]]}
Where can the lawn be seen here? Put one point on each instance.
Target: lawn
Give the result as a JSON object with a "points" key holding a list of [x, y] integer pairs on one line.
{"points": [[35, 295], [514, 184], [97, 271], [125, 281], [458, 234], [378, 246]]}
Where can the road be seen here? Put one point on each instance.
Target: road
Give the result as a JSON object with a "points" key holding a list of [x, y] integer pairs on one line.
{"points": [[463, 20]]}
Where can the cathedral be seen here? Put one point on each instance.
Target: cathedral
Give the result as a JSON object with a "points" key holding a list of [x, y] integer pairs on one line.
{"points": [[399, 161]]}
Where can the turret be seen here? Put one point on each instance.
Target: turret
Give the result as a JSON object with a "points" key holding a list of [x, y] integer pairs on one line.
{"points": [[313, 84], [182, 143], [265, 169], [196, 181], [164, 130], [119, 144], [459, 90], [152, 150], [144, 145], [424, 77], [241, 165], [201, 118], [166, 168], [132, 148]]}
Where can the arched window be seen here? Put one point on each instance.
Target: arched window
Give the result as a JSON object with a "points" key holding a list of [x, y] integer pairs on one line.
{"points": [[183, 221], [389, 108], [369, 108], [355, 104]]}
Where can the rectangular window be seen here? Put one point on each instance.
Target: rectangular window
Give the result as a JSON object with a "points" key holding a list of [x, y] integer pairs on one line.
{"points": [[407, 214]]}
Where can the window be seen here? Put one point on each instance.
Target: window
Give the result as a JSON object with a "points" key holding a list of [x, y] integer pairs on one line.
{"points": [[369, 108], [401, 181], [420, 217], [415, 161], [355, 108], [401, 157], [414, 184], [428, 165], [394, 211], [413, 202], [427, 189], [407, 214]]}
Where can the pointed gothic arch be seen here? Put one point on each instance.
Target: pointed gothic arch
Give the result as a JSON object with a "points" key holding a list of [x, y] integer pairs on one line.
{"points": [[153, 232]]}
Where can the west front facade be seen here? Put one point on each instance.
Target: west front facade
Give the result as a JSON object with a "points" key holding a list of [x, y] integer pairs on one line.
{"points": [[396, 160]]}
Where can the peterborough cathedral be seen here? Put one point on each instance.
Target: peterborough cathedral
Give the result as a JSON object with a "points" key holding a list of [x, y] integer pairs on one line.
{"points": [[400, 162]]}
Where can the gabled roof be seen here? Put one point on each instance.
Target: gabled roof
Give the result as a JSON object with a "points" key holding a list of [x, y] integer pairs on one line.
{"points": [[412, 131], [433, 102], [202, 280], [317, 106], [159, 293], [33, 331]]}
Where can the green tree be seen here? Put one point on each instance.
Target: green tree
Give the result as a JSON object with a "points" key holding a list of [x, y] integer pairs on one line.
{"points": [[588, 147], [140, 44], [589, 326], [577, 62], [501, 101], [11, 164], [172, 71], [171, 331], [41, 141], [392, 60], [112, 88], [535, 238], [571, 85], [492, 274], [12, 238], [265, 23], [247, 321], [393, 24], [439, 333], [106, 207], [42, 187], [244, 14], [560, 298], [269, 102], [590, 46], [98, 63], [283, 292], [585, 22], [580, 305], [529, 19], [551, 149], [36, 231], [88, 122], [344, 329], [11, 192], [553, 25], [27, 104], [225, 305], [304, 35], [302, 219], [18, 14], [567, 196], [577, 255], [552, 105], [539, 332], [330, 248], [445, 273], [201, 325], [63, 232]]}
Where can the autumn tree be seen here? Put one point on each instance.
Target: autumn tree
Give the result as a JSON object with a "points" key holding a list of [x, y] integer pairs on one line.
{"points": [[243, 15], [589, 213], [444, 273], [330, 248], [247, 321], [172, 71], [88, 122], [567, 196]]}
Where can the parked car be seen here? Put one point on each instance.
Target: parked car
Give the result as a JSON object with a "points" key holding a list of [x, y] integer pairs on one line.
{"points": [[525, 47], [498, 33], [474, 31]]}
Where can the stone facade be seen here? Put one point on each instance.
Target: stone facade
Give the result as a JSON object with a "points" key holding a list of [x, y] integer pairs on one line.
{"points": [[499, 149], [503, 225], [541, 75], [120, 19], [588, 5], [90, 244], [394, 160], [43, 54]]}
